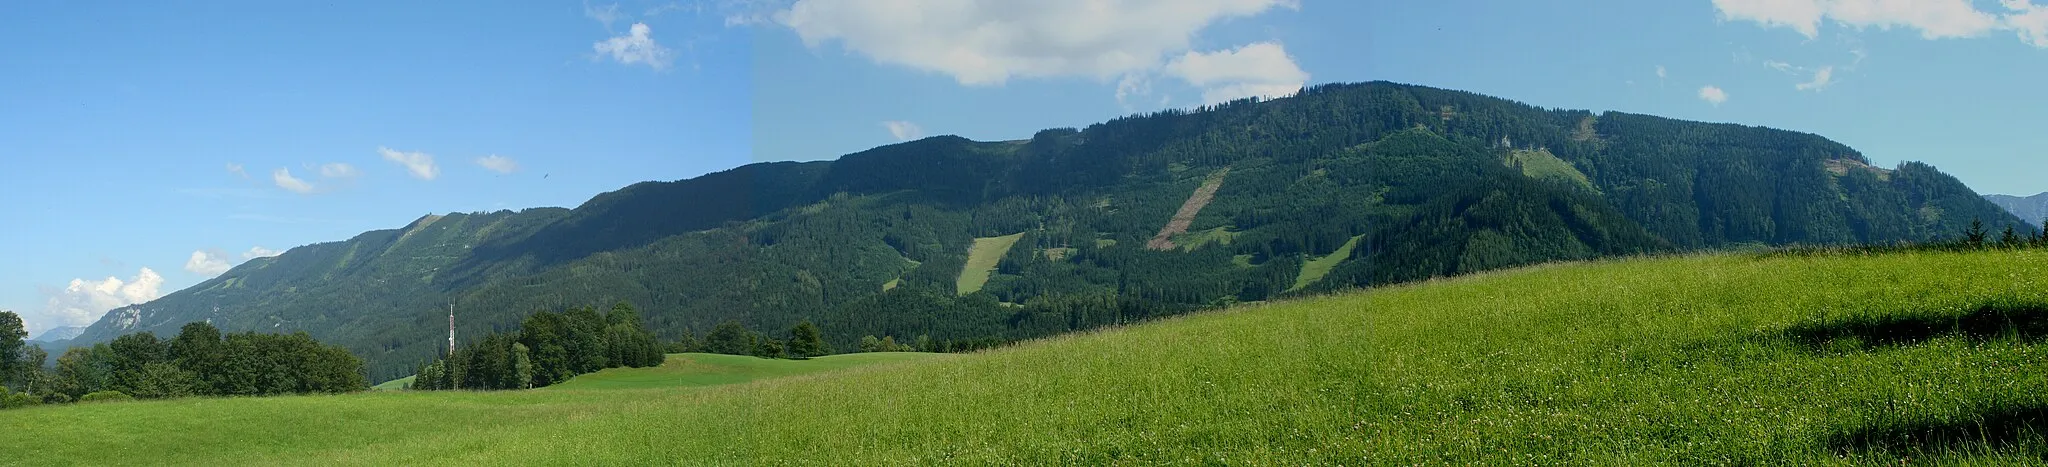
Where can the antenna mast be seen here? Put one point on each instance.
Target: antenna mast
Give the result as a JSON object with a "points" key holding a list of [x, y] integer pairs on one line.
{"points": [[451, 329]]}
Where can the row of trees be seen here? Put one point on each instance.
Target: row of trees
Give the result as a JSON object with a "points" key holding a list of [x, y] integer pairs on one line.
{"points": [[199, 361], [806, 340], [732, 338], [1978, 237], [548, 348]]}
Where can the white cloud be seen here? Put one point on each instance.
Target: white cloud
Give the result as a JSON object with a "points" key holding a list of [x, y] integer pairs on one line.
{"points": [[420, 164], [1257, 70], [636, 47], [1821, 79], [338, 170], [1713, 95], [259, 252], [988, 42], [83, 301], [607, 14], [1800, 15], [903, 131], [1660, 72], [1934, 19], [207, 263], [237, 170], [497, 163], [1132, 85], [2029, 20], [285, 180], [658, 10]]}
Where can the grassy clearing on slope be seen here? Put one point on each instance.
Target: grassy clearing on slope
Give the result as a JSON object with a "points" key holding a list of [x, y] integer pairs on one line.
{"points": [[1313, 270], [1543, 164], [393, 385], [703, 369], [982, 259], [1736, 359], [1193, 240]]}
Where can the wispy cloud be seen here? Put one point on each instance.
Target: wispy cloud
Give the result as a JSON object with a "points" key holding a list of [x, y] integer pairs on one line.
{"points": [[259, 252], [1713, 95], [339, 170], [497, 163], [1821, 79], [284, 179], [1256, 70], [606, 14], [636, 47], [1817, 79], [419, 164], [237, 170], [281, 219], [219, 193], [208, 263], [989, 42], [1934, 19], [985, 43], [903, 131]]}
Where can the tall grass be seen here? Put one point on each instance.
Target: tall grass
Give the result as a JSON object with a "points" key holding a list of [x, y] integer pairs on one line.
{"points": [[1731, 359]]}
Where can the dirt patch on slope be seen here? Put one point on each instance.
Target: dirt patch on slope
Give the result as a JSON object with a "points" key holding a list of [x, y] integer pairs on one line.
{"points": [[1188, 210]]}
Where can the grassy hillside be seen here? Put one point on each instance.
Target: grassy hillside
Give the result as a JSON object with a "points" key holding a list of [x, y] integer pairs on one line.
{"points": [[1738, 359], [703, 369], [1314, 269], [982, 259], [393, 385]]}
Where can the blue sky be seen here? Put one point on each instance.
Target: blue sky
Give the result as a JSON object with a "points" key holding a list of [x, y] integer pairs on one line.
{"points": [[121, 122]]}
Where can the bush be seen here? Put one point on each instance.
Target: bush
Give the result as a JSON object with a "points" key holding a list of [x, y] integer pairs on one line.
{"points": [[105, 396], [12, 400], [56, 398]]}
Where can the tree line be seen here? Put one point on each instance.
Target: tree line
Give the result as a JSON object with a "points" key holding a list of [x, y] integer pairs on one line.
{"points": [[199, 361], [547, 348]]}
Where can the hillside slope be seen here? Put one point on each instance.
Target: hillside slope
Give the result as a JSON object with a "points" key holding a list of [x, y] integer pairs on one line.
{"points": [[1422, 182], [1731, 359], [2033, 209]]}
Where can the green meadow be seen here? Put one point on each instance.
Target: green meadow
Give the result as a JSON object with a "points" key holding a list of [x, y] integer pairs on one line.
{"points": [[982, 259], [1314, 269], [1759, 359], [702, 369]]}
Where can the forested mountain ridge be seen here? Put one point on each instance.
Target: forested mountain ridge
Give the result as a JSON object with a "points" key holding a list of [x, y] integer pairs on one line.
{"points": [[1343, 185], [2033, 209]]}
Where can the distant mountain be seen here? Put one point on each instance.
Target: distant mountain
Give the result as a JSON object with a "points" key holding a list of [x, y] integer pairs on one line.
{"points": [[2033, 209], [967, 242], [60, 333]]}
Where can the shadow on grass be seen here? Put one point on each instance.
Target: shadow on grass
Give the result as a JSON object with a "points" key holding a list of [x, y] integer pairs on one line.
{"points": [[2013, 429], [2027, 322]]}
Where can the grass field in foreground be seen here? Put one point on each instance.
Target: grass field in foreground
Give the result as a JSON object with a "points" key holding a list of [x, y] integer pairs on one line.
{"points": [[981, 261], [1732, 359]]}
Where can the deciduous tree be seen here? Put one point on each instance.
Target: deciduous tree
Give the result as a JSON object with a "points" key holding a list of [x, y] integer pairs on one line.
{"points": [[805, 341]]}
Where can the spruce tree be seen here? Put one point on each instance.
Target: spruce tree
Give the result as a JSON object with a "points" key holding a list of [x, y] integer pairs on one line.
{"points": [[1976, 235]]}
